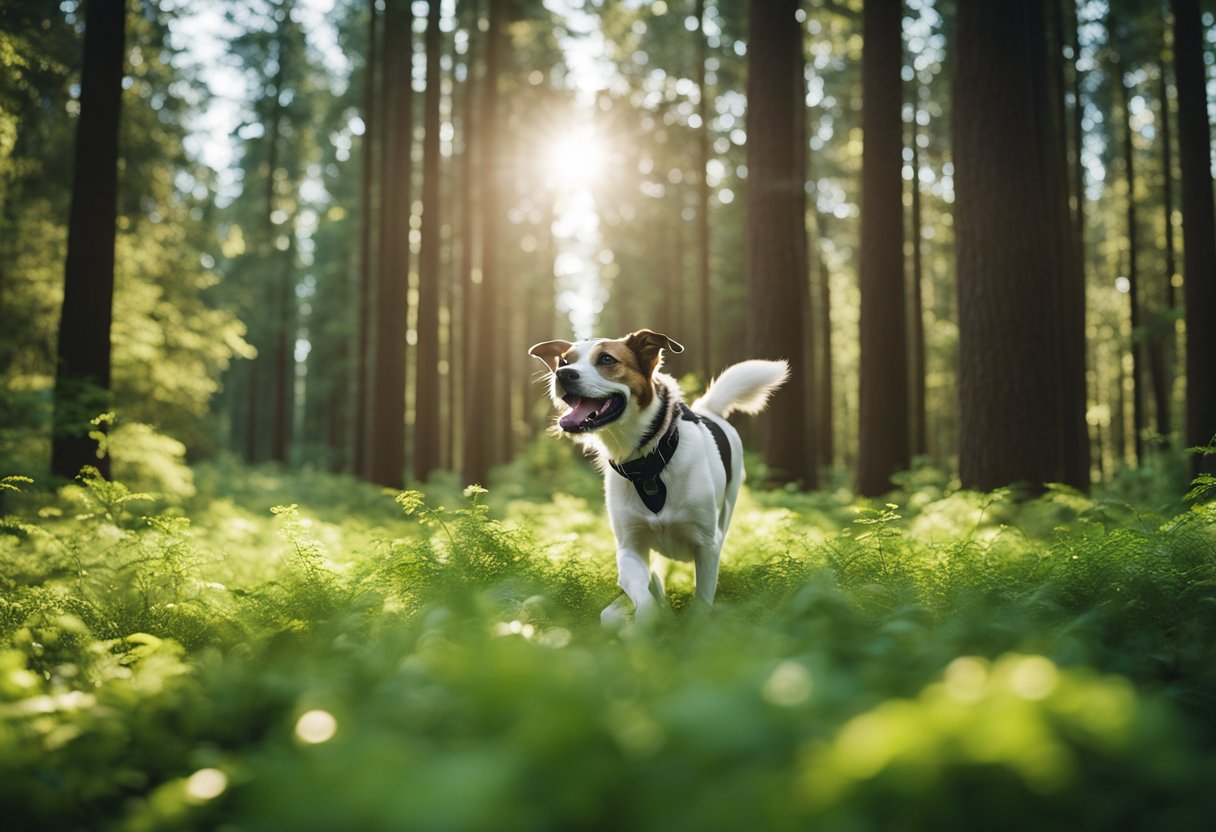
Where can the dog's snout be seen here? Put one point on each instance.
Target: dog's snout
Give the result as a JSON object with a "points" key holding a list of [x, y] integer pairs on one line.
{"points": [[567, 374]]}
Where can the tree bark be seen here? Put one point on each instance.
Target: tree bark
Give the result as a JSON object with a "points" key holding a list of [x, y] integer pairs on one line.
{"points": [[391, 311], [1069, 314], [1161, 340], [776, 236], [483, 387], [827, 433], [1133, 266], [920, 428], [702, 231], [82, 367], [361, 454], [1009, 380], [426, 372], [884, 429], [1198, 230]]}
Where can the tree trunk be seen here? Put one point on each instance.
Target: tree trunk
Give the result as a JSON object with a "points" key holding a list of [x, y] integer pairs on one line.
{"points": [[702, 231], [1198, 230], [1009, 380], [391, 311], [82, 367], [283, 395], [1161, 335], [1066, 243], [426, 371], [468, 234], [883, 433], [776, 235], [361, 452], [827, 431], [1133, 268], [483, 387], [920, 431]]}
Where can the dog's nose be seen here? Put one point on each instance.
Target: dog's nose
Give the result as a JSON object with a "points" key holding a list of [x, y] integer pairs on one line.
{"points": [[567, 374]]}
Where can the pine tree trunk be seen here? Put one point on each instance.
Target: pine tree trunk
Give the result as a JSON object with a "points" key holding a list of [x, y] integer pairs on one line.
{"points": [[462, 368], [1066, 242], [483, 400], [776, 236], [827, 428], [1198, 230], [1133, 266], [82, 366], [920, 437], [1160, 345], [884, 430], [426, 371], [361, 455], [391, 310], [702, 231], [1009, 382]]}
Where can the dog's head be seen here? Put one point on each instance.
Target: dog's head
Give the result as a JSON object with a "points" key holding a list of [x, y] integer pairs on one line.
{"points": [[602, 380]]}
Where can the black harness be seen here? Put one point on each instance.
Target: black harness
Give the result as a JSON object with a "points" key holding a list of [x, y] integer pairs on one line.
{"points": [[644, 472]]}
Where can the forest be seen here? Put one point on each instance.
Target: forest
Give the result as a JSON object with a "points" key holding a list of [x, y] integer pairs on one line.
{"points": [[288, 538]]}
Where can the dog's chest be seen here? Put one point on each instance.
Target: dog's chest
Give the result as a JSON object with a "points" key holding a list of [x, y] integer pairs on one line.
{"points": [[687, 521]]}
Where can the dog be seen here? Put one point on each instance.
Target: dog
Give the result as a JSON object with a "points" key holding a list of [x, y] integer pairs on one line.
{"points": [[671, 472]]}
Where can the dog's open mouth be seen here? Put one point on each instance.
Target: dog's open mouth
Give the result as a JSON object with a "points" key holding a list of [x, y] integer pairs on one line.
{"points": [[590, 414]]}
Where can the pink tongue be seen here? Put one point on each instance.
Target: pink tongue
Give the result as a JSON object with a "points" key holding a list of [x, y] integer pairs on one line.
{"points": [[580, 410]]}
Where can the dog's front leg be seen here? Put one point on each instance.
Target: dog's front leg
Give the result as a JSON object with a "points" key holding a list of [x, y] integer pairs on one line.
{"points": [[706, 564], [633, 568]]}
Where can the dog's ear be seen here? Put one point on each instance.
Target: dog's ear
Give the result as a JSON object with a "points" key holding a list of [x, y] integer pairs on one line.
{"points": [[648, 346], [549, 351]]}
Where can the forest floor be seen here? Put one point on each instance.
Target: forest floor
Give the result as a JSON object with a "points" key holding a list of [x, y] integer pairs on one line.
{"points": [[272, 650]]}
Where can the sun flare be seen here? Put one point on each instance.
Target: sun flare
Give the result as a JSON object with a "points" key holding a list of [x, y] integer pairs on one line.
{"points": [[576, 159]]}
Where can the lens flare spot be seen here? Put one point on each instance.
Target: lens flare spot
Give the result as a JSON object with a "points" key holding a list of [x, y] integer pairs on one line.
{"points": [[788, 685], [316, 727], [206, 784]]}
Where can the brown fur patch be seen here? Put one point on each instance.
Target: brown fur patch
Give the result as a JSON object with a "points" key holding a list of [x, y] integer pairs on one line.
{"points": [[627, 369]]}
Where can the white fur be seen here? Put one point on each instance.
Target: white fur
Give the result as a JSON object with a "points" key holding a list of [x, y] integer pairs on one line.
{"points": [[744, 387], [693, 522]]}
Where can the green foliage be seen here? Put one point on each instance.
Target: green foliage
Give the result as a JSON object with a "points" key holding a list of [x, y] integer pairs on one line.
{"points": [[314, 653]]}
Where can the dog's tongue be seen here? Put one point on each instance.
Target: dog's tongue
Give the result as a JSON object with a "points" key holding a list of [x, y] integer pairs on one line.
{"points": [[580, 409]]}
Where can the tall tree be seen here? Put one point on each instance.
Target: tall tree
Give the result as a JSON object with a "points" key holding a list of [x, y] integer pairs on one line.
{"points": [[483, 387], [1133, 263], [426, 368], [884, 402], [1008, 246], [702, 210], [82, 371], [1198, 228], [1161, 328], [467, 213], [919, 416], [1067, 246], [776, 235], [361, 451], [391, 310]]}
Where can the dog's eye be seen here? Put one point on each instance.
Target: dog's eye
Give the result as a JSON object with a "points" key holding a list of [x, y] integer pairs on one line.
{"points": [[562, 361], [605, 358]]}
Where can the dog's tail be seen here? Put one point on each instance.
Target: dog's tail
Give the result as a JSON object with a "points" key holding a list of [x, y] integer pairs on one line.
{"points": [[745, 387]]}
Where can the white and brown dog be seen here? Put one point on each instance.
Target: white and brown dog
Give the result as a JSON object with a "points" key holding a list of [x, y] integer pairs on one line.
{"points": [[671, 472]]}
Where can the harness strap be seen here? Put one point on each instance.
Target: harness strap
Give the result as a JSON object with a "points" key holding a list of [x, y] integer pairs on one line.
{"points": [[644, 472], [719, 436]]}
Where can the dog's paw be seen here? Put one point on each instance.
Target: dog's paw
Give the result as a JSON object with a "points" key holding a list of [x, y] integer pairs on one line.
{"points": [[616, 616]]}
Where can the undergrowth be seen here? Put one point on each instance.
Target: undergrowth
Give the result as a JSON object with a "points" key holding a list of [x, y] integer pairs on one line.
{"points": [[271, 651]]}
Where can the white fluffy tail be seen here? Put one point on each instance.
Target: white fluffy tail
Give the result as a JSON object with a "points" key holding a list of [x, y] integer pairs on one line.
{"points": [[745, 387]]}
